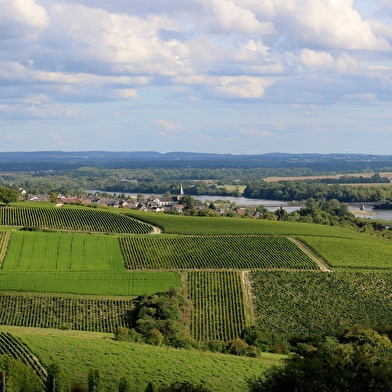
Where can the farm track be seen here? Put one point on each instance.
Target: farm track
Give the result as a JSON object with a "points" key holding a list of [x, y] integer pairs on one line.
{"points": [[4, 247], [310, 254], [248, 298]]}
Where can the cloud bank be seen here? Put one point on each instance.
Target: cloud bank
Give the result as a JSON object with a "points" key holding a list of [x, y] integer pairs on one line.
{"points": [[195, 63]]}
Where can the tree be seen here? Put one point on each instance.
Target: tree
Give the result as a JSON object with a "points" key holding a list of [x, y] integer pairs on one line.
{"points": [[19, 377], [56, 381], [124, 385], [8, 195], [53, 197], [189, 204], [359, 360], [93, 380]]}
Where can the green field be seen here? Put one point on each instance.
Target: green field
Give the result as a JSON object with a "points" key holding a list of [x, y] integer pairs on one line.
{"points": [[195, 225], [62, 252], [213, 252], [308, 303], [78, 352], [75, 263], [367, 253], [90, 282]]}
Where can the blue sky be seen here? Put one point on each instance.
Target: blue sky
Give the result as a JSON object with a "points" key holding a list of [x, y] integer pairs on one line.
{"points": [[224, 76]]}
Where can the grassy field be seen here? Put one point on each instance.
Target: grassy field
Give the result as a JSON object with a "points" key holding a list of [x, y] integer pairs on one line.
{"points": [[374, 253], [75, 263], [188, 225], [89, 282], [321, 303], [30, 251], [78, 352], [213, 252]]}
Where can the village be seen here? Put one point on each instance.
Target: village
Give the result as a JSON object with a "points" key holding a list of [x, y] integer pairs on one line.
{"points": [[166, 203]]}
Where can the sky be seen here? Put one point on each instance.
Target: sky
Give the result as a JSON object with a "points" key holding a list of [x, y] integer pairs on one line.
{"points": [[219, 76]]}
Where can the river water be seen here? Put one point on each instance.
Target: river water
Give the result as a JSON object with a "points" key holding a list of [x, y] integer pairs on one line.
{"points": [[272, 205]]}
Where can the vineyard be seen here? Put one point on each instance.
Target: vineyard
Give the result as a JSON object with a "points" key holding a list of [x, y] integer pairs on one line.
{"points": [[47, 311], [321, 303], [353, 253], [16, 349], [81, 219], [208, 252], [218, 305]]}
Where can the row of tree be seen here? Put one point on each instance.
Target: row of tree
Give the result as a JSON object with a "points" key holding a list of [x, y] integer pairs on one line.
{"points": [[305, 190]]}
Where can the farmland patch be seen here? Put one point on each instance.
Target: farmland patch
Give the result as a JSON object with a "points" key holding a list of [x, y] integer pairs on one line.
{"points": [[218, 305], [217, 252]]}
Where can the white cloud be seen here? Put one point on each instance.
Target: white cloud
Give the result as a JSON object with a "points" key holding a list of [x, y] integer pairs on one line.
{"points": [[325, 61], [241, 87], [169, 126], [325, 24], [227, 16], [125, 94], [21, 19]]}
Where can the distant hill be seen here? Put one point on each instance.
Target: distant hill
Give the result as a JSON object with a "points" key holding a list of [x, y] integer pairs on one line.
{"points": [[60, 160]]}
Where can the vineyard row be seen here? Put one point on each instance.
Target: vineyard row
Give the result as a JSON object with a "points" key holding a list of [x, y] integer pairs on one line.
{"points": [[218, 305], [84, 314], [71, 219], [13, 347], [208, 252]]}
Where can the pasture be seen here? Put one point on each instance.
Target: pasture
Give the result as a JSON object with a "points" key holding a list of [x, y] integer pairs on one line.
{"points": [[33, 252], [80, 351], [367, 253]]}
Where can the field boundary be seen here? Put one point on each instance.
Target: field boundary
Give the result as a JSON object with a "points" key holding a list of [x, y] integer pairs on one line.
{"points": [[309, 253], [4, 247]]}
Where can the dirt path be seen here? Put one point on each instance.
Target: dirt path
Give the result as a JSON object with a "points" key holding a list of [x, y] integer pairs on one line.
{"points": [[309, 253], [247, 289], [155, 230]]}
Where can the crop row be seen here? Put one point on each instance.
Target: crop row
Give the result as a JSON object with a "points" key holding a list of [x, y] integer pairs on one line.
{"points": [[206, 252], [321, 303], [71, 219], [84, 314], [218, 305], [16, 349]]}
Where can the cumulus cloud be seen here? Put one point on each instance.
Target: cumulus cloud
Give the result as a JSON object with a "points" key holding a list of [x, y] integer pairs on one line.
{"points": [[325, 24], [169, 126], [325, 61], [241, 87], [56, 56], [22, 19]]}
